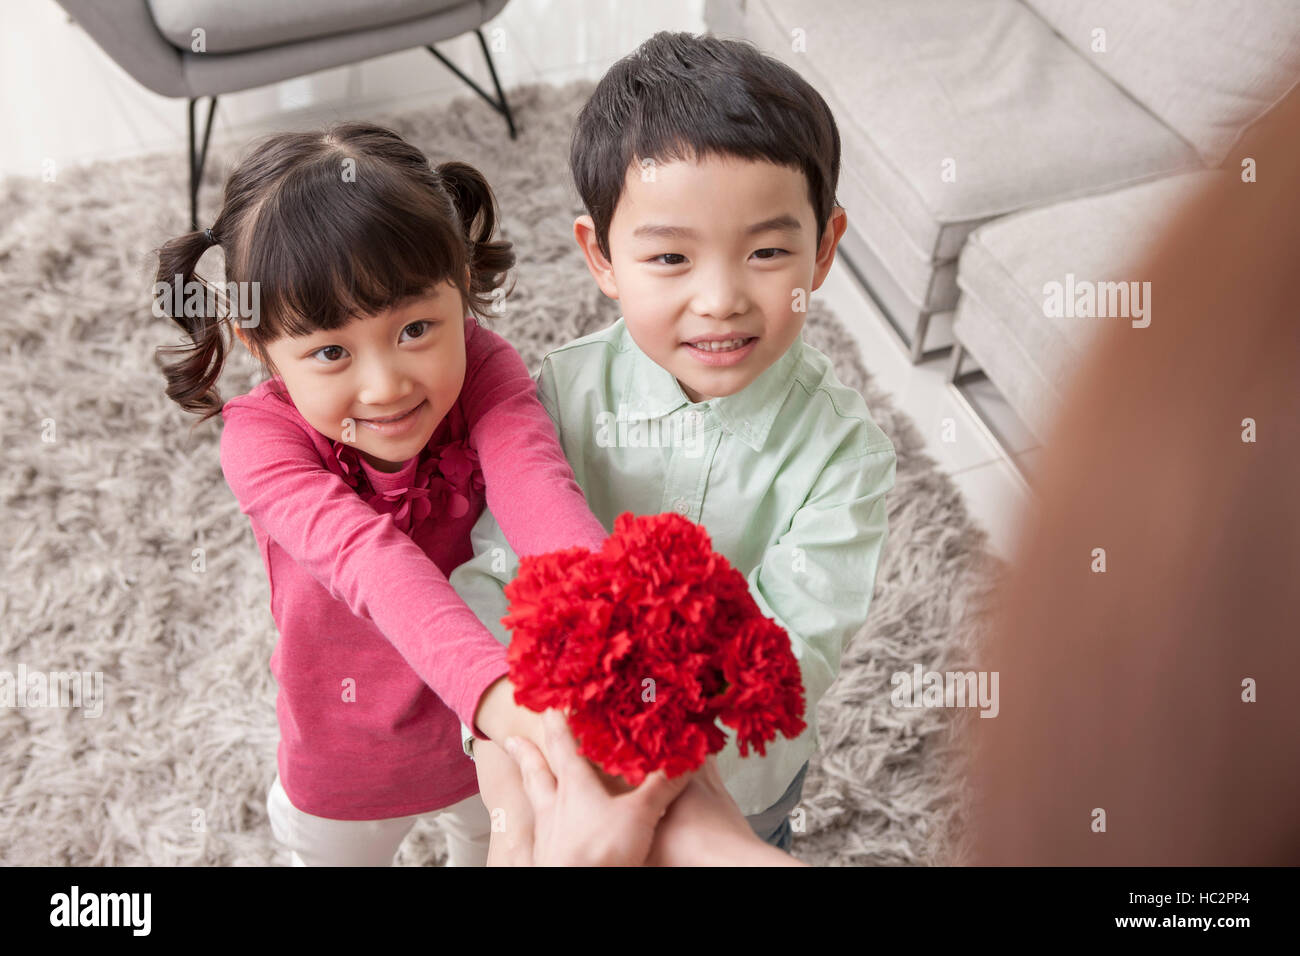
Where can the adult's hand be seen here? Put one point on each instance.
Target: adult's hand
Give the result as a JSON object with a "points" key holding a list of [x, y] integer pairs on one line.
{"points": [[577, 821], [704, 827]]}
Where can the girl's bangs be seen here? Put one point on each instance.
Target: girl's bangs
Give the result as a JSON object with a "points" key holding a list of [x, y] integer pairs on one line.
{"points": [[324, 256]]}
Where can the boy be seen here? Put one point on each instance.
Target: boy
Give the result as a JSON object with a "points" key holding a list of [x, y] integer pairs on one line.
{"points": [[708, 171]]}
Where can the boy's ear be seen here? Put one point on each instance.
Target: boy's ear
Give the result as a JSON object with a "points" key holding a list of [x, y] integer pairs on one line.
{"points": [[584, 231], [839, 222]]}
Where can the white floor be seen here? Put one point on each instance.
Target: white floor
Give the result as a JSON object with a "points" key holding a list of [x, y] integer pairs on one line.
{"points": [[66, 102]]}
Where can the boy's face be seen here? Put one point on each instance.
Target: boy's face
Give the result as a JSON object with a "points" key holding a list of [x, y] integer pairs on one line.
{"points": [[723, 249], [407, 358]]}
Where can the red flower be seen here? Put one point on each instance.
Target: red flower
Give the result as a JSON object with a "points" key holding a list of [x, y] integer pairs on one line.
{"points": [[645, 644]]}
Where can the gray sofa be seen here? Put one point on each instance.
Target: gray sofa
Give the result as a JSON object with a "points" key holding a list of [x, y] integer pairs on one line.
{"points": [[992, 146]]}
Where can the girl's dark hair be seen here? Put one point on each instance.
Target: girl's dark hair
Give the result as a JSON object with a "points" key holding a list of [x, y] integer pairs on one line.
{"points": [[332, 224], [680, 96]]}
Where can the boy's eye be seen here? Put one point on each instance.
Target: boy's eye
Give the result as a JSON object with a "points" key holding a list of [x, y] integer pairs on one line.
{"points": [[771, 253], [423, 325], [676, 259]]}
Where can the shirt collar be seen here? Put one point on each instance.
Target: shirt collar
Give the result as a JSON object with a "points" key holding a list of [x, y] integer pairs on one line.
{"points": [[652, 392]]}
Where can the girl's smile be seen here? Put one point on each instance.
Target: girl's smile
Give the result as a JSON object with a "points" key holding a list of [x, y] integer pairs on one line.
{"points": [[394, 425]]}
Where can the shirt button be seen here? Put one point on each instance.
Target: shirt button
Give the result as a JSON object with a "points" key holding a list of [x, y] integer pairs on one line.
{"points": [[681, 506]]}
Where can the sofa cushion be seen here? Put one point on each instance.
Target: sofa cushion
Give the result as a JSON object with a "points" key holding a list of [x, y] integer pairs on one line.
{"points": [[1207, 68], [1003, 316], [233, 25], [987, 84]]}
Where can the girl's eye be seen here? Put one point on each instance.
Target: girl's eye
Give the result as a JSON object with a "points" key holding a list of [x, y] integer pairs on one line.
{"points": [[422, 327], [676, 257], [329, 348], [774, 253]]}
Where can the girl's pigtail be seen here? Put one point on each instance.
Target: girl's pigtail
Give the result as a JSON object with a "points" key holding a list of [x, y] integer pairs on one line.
{"points": [[191, 381], [489, 259]]}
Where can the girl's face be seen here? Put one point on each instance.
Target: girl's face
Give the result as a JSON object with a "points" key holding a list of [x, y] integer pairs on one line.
{"points": [[410, 359]]}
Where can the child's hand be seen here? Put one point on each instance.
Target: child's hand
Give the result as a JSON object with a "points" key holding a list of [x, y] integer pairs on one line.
{"points": [[499, 717], [577, 820]]}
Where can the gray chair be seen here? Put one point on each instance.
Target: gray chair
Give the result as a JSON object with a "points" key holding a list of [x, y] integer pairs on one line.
{"points": [[198, 48]]}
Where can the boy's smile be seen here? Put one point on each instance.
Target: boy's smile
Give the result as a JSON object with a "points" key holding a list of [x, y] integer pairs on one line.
{"points": [[712, 261]]}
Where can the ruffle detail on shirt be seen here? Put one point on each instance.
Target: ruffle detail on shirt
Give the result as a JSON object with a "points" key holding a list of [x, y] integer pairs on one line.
{"points": [[443, 483]]}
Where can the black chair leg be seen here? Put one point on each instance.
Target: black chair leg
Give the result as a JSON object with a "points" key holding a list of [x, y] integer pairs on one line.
{"points": [[498, 103], [198, 156]]}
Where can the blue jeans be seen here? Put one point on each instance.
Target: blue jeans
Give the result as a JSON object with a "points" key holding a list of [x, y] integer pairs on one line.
{"points": [[772, 826]]}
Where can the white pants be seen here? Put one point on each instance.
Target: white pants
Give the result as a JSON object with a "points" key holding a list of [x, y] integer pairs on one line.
{"points": [[318, 841]]}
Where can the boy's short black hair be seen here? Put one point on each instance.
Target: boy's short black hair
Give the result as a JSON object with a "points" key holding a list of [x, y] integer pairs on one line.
{"points": [[681, 96]]}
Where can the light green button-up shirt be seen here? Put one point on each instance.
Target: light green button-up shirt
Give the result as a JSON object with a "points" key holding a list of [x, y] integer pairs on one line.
{"points": [[788, 476]]}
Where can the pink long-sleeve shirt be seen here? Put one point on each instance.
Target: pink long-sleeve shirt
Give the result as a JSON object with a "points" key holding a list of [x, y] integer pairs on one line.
{"points": [[378, 660]]}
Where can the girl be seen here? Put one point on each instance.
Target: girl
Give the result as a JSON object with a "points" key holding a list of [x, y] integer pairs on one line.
{"points": [[389, 417]]}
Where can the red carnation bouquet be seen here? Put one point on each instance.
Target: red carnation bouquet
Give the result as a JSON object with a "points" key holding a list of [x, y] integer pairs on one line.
{"points": [[645, 644]]}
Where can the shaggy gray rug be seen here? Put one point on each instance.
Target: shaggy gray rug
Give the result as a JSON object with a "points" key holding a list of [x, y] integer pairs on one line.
{"points": [[107, 493]]}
